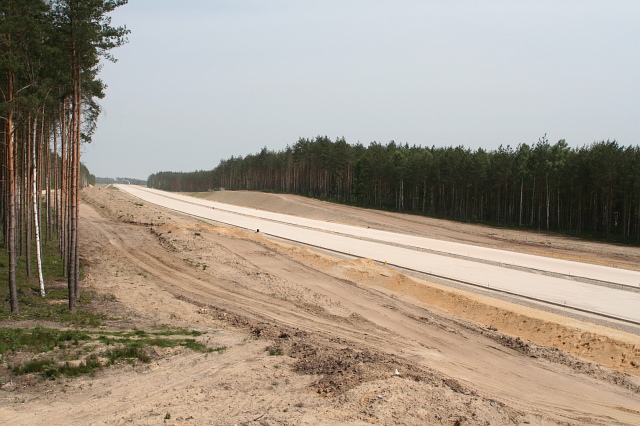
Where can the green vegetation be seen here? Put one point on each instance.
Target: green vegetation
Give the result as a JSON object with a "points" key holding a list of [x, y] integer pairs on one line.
{"points": [[142, 339], [50, 369], [50, 58], [275, 351], [52, 307], [591, 192], [73, 352], [38, 339], [84, 349], [51, 53]]}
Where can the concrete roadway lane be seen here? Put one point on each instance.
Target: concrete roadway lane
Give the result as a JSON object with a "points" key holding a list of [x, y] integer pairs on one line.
{"points": [[603, 300], [539, 263]]}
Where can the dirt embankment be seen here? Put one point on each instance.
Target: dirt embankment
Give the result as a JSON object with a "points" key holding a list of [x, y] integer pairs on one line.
{"points": [[313, 339], [588, 342]]}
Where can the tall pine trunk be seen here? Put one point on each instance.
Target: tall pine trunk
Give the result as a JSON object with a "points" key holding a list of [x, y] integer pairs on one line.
{"points": [[521, 195], [74, 255], [11, 208], [71, 262], [547, 182]]}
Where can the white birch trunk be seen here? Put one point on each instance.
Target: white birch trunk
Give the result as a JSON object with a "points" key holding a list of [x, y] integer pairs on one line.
{"points": [[35, 216]]}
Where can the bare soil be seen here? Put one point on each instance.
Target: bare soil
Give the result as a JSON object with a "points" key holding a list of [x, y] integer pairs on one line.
{"points": [[313, 339]]}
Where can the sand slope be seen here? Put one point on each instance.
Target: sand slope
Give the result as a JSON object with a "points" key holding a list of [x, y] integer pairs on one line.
{"points": [[312, 339]]}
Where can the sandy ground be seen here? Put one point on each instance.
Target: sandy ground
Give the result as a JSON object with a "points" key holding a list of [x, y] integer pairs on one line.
{"points": [[313, 339]]}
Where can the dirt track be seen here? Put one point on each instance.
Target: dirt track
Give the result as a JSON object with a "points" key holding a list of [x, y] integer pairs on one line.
{"points": [[343, 327]]}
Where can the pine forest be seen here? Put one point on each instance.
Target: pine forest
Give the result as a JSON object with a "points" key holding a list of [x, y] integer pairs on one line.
{"points": [[591, 192], [50, 53]]}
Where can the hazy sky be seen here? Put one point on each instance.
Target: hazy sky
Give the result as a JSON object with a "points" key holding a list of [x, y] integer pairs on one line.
{"points": [[202, 80]]}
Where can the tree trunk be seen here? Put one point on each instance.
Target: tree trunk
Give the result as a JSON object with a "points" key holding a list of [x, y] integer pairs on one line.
{"points": [[558, 218], [64, 189], [547, 181], [11, 211], [521, 195], [74, 255], [76, 214], [71, 264], [56, 183], [533, 198], [36, 221], [47, 167], [27, 195]]}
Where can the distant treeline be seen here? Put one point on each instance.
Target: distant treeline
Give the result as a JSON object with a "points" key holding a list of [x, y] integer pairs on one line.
{"points": [[108, 180], [86, 178], [592, 191]]}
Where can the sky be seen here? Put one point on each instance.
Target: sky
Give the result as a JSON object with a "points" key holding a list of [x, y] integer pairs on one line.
{"points": [[203, 80]]}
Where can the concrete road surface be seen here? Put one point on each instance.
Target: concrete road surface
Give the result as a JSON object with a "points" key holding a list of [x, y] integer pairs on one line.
{"points": [[481, 266]]}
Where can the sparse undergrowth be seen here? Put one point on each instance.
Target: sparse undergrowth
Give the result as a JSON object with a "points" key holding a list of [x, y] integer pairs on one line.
{"points": [[50, 353], [54, 306]]}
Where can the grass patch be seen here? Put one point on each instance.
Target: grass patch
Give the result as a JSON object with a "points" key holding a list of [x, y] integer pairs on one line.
{"points": [[147, 341], [50, 369], [83, 350], [177, 332], [72, 353], [127, 353], [38, 339], [275, 352]]}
